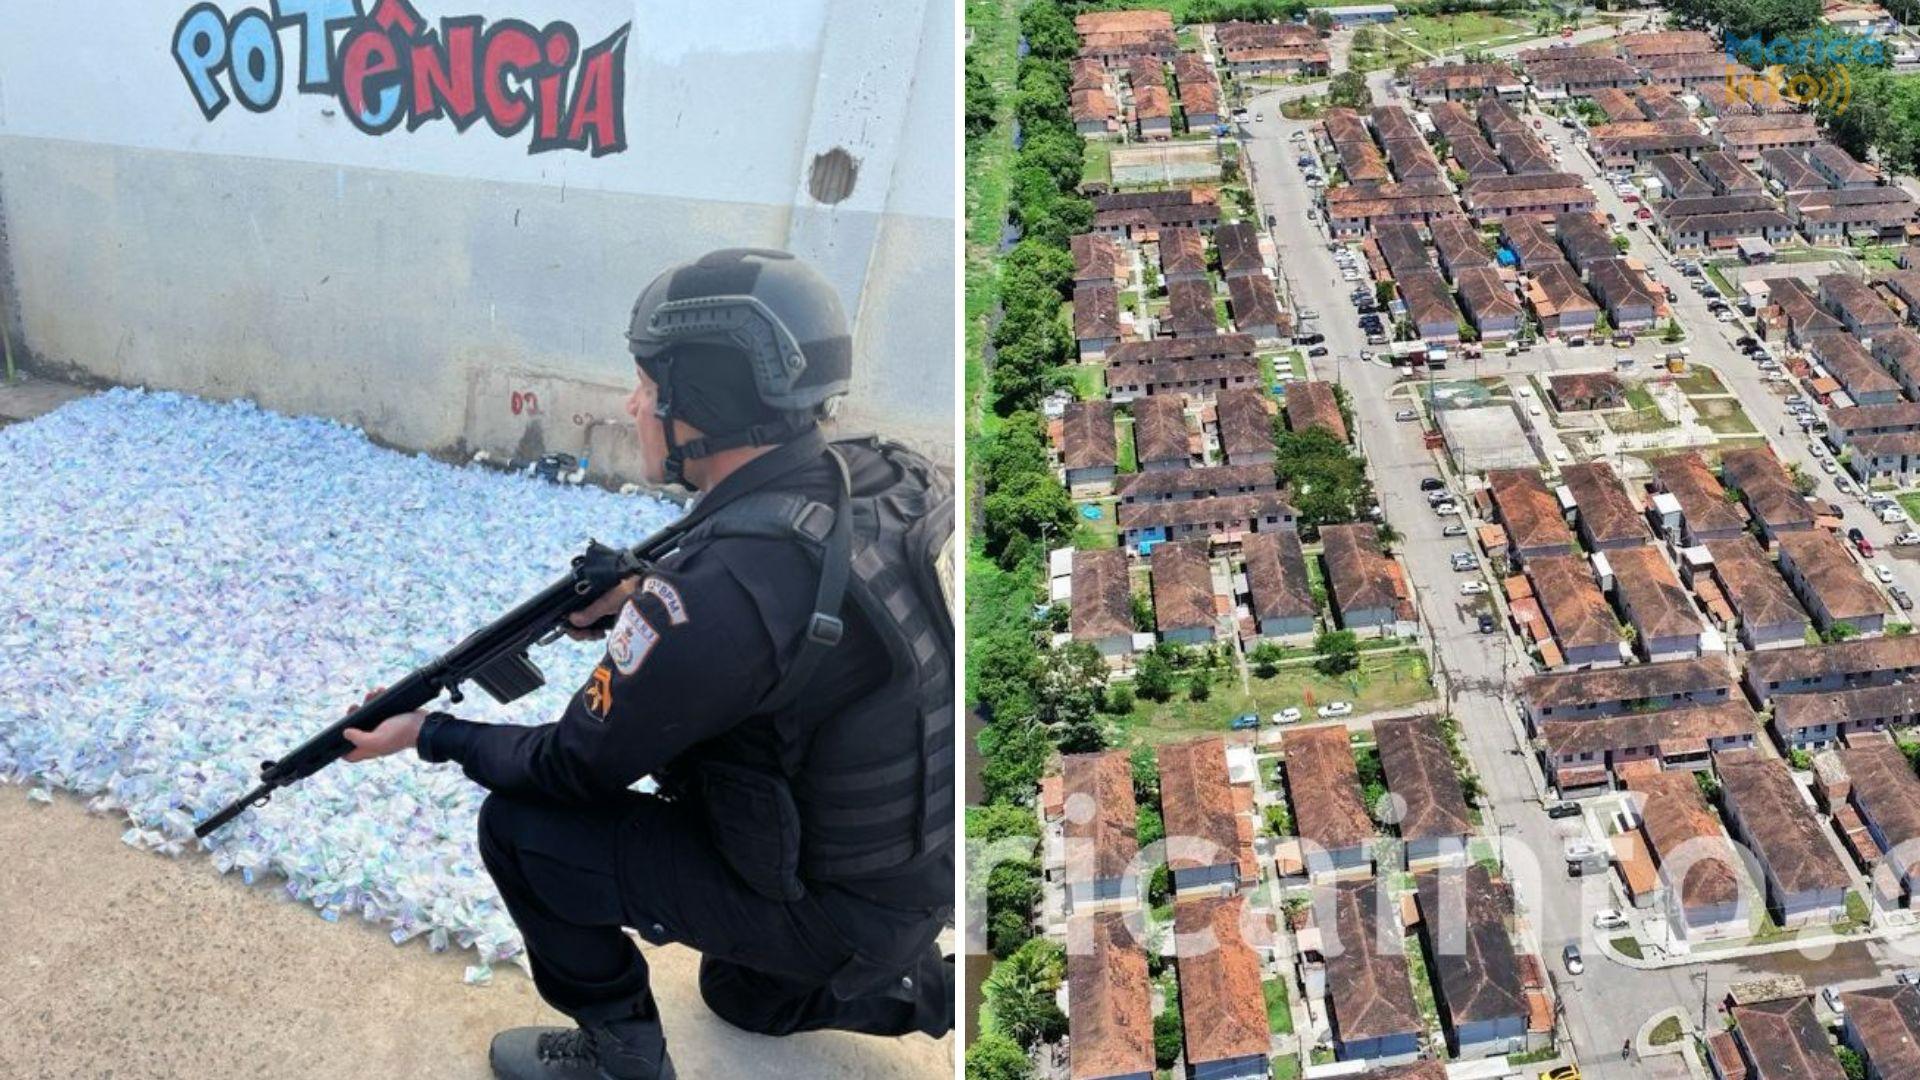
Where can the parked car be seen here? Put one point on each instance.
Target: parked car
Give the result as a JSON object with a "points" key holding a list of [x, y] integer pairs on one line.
{"points": [[1901, 597], [1454, 529], [1816, 448], [1473, 588], [1570, 956], [1406, 416], [1609, 919], [1563, 810], [1830, 467], [1864, 545], [1317, 350], [1486, 623], [1245, 722], [1287, 716], [1892, 515], [1884, 574], [1334, 708], [1907, 538], [1446, 509], [1438, 496], [1832, 997], [1841, 484]]}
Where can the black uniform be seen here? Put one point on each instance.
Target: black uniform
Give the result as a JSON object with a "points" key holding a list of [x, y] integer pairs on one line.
{"points": [[577, 856]]}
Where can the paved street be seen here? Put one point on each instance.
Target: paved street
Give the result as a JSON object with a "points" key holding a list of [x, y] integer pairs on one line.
{"points": [[1609, 1003]]}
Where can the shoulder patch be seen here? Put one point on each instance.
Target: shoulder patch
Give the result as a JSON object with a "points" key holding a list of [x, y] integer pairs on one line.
{"points": [[669, 598], [599, 692], [631, 639]]}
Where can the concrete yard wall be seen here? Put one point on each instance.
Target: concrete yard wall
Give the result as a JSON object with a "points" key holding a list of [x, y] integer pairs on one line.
{"points": [[453, 286]]}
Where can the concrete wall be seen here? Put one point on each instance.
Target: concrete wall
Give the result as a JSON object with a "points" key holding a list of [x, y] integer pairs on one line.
{"points": [[447, 288]]}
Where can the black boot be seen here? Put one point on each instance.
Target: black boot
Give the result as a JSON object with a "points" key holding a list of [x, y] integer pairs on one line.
{"points": [[627, 1050]]}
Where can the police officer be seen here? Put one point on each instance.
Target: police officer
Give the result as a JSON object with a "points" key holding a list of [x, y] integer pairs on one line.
{"points": [[784, 678]]}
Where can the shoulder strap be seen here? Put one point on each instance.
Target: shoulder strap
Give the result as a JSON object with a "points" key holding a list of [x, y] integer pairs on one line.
{"points": [[827, 535]]}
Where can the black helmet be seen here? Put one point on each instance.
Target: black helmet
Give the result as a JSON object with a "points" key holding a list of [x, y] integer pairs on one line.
{"points": [[749, 345]]}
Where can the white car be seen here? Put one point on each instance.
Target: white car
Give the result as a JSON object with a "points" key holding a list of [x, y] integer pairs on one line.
{"points": [[1473, 588], [1334, 708], [1610, 919], [1893, 515], [1884, 574], [1287, 716], [1832, 997], [1816, 449], [1446, 508], [1907, 538], [1829, 466], [1842, 485], [1457, 529]]}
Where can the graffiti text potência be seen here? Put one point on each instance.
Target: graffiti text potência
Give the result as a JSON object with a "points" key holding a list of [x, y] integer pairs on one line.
{"points": [[389, 66]]}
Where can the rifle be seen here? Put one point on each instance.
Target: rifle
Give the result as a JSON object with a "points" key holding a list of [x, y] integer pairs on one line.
{"points": [[494, 658]]}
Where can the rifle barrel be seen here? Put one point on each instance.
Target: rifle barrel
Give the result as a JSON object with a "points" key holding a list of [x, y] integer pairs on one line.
{"points": [[232, 810]]}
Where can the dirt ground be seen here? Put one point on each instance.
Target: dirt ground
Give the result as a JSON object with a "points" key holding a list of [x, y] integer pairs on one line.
{"points": [[115, 962]]}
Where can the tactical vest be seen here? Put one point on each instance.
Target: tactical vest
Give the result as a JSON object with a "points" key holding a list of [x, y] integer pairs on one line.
{"points": [[840, 815]]}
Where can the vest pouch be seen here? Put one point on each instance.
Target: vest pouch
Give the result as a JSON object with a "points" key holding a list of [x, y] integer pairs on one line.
{"points": [[756, 827]]}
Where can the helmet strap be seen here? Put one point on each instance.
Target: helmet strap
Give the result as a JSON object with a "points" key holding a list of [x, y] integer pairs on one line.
{"points": [[673, 469]]}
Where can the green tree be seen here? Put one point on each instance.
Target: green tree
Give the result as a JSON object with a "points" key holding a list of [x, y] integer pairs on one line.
{"points": [[1383, 293], [1068, 695], [1013, 891], [1013, 755], [1119, 700], [1349, 89], [996, 1057], [1141, 607], [1322, 20], [1265, 658], [1001, 821], [1851, 1062], [1278, 821], [1159, 885], [1023, 505], [1200, 684], [1339, 652], [982, 101], [1621, 244], [1148, 826], [1153, 676], [1365, 39], [1672, 333], [1602, 326], [1021, 988], [1146, 774], [1166, 1038]]}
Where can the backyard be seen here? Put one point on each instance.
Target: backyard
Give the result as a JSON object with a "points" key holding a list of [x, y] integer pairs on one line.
{"points": [[1384, 680]]}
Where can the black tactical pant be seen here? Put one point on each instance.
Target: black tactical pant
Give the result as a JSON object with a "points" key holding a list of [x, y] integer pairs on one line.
{"points": [[573, 877]]}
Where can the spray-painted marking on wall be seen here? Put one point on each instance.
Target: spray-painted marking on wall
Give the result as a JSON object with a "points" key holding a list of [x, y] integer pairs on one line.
{"points": [[389, 65]]}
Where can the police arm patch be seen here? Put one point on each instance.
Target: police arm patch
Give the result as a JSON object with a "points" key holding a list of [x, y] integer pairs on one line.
{"points": [[631, 639], [669, 598]]}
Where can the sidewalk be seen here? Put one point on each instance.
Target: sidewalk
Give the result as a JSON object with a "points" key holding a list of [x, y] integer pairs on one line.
{"points": [[124, 963]]}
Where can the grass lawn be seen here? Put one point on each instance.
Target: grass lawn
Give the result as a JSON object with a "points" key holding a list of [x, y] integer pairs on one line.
{"points": [[1286, 1067], [1463, 30], [1719, 279], [1627, 946], [1096, 166], [1645, 415], [1279, 1012], [1880, 259], [1910, 502], [995, 25], [1090, 534], [1127, 457], [1723, 416], [1089, 381], [1384, 680], [1666, 1031], [1422, 980], [1391, 51], [1699, 381], [1306, 108]]}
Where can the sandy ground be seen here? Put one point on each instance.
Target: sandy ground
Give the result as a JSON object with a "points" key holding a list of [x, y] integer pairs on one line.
{"points": [[120, 963]]}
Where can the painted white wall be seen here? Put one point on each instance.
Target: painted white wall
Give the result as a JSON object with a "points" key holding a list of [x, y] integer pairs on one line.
{"points": [[417, 281]]}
